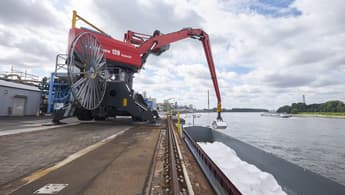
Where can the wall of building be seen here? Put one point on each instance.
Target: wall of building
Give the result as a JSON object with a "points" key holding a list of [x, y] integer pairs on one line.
{"points": [[7, 95]]}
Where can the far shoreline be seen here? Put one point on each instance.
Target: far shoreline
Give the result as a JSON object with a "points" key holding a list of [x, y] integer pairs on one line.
{"points": [[317, 115]]}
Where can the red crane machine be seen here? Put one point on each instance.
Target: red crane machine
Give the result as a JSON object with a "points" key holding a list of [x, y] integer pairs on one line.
{"points": [[101, 69]]}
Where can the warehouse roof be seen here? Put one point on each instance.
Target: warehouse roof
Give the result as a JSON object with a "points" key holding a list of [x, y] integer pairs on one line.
{"points": [[18, 85]]}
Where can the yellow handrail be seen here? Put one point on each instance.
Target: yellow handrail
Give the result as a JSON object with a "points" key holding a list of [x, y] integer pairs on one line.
{"points": [[75, 17], [179, 128]]}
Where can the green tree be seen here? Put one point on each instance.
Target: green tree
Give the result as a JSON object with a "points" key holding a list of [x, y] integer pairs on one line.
{"points": [[44, 85], [294, 111], [329, 106], [300, 107], [340, 107], [313, 108], [284, 109]]}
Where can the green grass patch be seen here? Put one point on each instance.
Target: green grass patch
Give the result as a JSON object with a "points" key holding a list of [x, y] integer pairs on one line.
{"points": [[326, 114]]}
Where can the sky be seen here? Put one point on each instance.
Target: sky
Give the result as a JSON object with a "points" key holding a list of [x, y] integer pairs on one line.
{"points": [[267, 53]]}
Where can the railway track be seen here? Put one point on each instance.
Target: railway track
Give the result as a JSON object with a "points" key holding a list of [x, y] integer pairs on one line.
{"points": [[169, 174], [170, 169], [174, 175]]}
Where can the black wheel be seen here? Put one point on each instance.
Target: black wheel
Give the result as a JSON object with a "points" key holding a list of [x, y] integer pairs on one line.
{"points": [[137, 119], [84, 115], [97, 118], [58, 115]]}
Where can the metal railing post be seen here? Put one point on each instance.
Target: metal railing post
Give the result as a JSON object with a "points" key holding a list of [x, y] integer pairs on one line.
{"points": [[179, 124], [50, 93]]}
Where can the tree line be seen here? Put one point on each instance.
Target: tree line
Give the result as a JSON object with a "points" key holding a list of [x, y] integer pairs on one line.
{"points": [[235, 110], [329, 106]]}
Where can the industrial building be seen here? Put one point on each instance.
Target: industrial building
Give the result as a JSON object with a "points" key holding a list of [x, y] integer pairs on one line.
{"points": [[19, 99]]}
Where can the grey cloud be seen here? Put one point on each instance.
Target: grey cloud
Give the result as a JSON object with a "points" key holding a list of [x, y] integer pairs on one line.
{"points": [[337, 61], [220, 39], [11, 61], [307, 56], [325, 82], [18, 12], [24, 61], [288, 80], [275, 91], [5, 38], [330, 77], [145, 81], [129, 15], [37, 48], [30, 48]]}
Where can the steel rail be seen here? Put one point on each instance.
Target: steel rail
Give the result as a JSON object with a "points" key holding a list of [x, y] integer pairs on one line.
{"points": [[174, 180], [221, 180], [184, 169], [148, 188]]}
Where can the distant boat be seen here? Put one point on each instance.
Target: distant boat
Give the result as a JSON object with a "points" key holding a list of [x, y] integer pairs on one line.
{"points": [[275, 114], [285, 115]]}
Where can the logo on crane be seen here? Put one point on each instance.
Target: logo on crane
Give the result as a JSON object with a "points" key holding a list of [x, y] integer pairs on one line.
{"points": [[115, 52]]}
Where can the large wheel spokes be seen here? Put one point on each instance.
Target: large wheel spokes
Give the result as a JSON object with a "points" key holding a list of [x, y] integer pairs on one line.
{"points": [[87, 71]]}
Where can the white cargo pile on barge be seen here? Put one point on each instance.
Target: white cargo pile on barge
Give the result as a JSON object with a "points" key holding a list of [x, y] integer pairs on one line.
{"points": [[246, 177]]}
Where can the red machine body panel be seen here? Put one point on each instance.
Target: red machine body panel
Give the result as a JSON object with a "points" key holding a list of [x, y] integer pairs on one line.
{"points": [[114, 50]]}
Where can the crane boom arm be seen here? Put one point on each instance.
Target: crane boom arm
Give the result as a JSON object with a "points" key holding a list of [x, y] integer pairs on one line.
{"points": [[159, 43]]}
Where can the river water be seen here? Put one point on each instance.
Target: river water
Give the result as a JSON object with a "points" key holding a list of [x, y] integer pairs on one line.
{"points": [[317, 144]]}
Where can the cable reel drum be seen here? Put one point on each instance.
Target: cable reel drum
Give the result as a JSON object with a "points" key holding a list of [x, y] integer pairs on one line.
{"points": [[87, 71]]}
